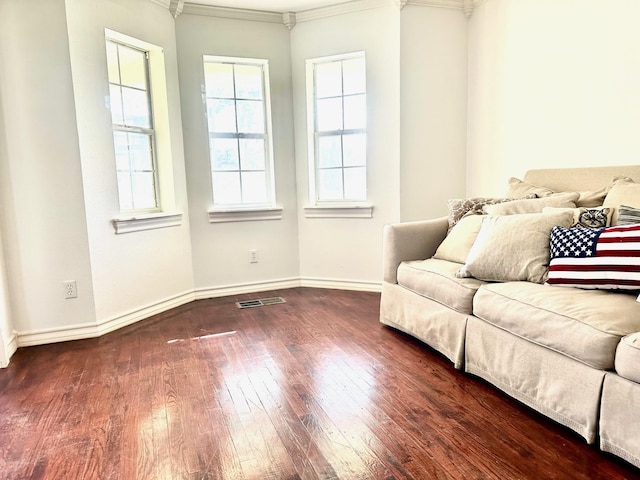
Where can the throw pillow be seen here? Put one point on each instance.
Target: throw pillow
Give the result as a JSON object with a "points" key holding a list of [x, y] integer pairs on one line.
{"points": [[623, 192], [518, 189], [601, 258], [513, 247], [586, 217], [592, 198], [535, 205], [628, 215], [456, 245], [460, 207]]}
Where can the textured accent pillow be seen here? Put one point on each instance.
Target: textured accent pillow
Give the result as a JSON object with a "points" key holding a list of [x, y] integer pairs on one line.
{"points": [[513, 247], [456, 245], [628, 215], [623, 192], [518, 189], [598, 217], [600, 258], [460, 207], [534, 205]]}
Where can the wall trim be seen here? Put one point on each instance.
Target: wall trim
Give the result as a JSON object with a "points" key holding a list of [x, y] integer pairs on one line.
{"points": [[336, 284], [289, 19], [242, 288], [9, 347], [93, 330], [234, 13]]}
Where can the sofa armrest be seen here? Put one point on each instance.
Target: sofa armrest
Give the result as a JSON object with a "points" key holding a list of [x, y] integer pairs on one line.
{"points": [[410, 241]]}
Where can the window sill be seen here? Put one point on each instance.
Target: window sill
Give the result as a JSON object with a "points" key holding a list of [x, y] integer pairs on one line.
{"points": [[146, 221], [339, 211], [245, 214]]}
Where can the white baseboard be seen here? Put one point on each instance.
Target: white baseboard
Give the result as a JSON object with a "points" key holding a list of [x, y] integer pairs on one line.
{"points": [[9, 347], [102, 327], [356, 285], [242, 288], [91, 330]]}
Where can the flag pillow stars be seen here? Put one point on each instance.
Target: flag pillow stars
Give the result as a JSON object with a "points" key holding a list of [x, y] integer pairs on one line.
{"points": [[595, 258]]}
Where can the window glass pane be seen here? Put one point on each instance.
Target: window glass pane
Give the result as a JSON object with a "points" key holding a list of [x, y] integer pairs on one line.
{"points": [[115, 100], [140, 152], [254, 187], [133, 68], [329, 114], [226, 188], [218, 79], [252, 153], [224, 154], [355, 112], [248, 82], [328, 79], [136, 108], [330, 184], [250, 116], [355, 150], [354, 76], [355, 183], [329, 151], [121, 145], [124, 191], [112, 63], [143, 184], [221, 115]]}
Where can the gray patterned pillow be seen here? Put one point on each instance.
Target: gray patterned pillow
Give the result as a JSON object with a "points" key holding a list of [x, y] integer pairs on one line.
{"points": [[628, 215], [461, 207]]}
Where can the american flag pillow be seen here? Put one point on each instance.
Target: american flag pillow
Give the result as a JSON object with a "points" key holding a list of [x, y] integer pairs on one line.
{"points": [[596, 258]]}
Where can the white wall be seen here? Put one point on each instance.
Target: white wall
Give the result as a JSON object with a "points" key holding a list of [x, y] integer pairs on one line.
{"points": [[137, 269], [343, 250], [43, 219], [221, 250], [433, 113], [552, 83]]}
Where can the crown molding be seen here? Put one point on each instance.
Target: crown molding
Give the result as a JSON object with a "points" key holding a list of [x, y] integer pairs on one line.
{"points": [[234, 13], [344, 8], [162, 3], [290, 19]]}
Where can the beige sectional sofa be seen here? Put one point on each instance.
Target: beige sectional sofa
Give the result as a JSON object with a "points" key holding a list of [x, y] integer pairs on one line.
{"points": [[570, 353]]}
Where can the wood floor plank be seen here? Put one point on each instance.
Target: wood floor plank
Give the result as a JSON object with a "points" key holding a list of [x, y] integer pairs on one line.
{"points": [[315, 388]]}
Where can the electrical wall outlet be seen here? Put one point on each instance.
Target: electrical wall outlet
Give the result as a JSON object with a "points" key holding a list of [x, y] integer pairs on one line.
{"points": [[253, 256], [70, 289]]}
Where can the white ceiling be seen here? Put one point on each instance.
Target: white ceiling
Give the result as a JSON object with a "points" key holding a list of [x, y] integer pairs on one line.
{"points": [[270, 5]]}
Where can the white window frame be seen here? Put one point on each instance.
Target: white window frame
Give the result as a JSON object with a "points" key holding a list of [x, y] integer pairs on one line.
{"points": [[319, 208], [268, 210], [165, 213]]}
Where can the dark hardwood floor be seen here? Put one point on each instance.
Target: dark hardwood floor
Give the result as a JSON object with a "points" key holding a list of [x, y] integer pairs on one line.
{"points": [[313, 388]]}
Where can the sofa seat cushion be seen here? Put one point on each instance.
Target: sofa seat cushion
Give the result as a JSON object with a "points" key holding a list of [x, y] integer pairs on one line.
{"points": [[628, 357], [436, 279], [585, 325]]}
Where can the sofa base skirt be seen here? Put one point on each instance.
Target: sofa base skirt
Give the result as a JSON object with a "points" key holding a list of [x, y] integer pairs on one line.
{"points": [[557, 386], [619, 420], [431, 322]]}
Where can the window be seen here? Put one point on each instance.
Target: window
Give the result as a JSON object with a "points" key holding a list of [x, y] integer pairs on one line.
{"points": [[238, 117], [133, 127], [337, 120]]}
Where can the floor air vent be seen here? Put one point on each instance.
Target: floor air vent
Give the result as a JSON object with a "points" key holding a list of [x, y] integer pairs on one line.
{"points": [[260, 302]]}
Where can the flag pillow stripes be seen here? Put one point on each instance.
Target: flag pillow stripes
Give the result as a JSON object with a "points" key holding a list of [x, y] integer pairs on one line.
{"points": [[595, 258]]}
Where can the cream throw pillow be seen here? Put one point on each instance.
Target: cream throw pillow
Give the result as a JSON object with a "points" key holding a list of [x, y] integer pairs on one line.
{"points": [[623, 192], [513, 247], [518, 189], [535, 205], [456, 245], [597, 217]]}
